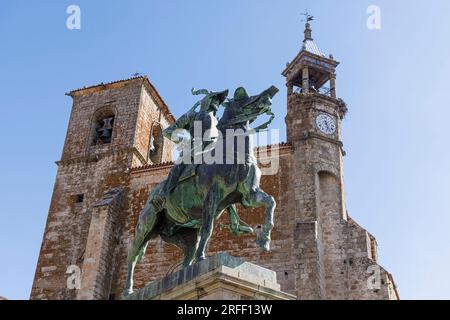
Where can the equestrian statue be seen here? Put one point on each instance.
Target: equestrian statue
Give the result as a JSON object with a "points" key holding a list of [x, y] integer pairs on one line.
{"points": [[216, 170]]}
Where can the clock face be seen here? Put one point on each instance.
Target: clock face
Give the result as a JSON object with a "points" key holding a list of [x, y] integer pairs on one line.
{"points": [[326, 123]]}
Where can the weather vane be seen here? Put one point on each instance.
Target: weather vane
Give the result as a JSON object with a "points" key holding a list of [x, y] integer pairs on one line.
{"points": [[308, 17]]}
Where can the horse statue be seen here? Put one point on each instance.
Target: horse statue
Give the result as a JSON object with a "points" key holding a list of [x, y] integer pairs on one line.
{"points": [[185, 217]]}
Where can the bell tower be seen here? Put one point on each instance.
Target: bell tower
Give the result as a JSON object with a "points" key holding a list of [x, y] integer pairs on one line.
{"points": [[113, 128], [313, 121]]}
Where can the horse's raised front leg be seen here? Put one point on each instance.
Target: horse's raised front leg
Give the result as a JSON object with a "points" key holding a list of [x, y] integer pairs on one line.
{"points": [[209, 210], [256, 198], [235, 222]]}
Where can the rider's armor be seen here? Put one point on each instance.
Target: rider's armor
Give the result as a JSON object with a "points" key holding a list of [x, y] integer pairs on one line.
{"points": [[206, 117]]}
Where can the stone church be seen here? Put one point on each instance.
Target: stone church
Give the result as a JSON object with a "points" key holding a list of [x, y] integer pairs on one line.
{"points": [[114, 153]]}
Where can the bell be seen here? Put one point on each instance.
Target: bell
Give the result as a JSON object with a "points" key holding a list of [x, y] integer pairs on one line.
{"points": [[106, 130]]}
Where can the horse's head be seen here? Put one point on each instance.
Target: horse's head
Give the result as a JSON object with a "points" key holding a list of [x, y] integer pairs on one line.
{"points": [[243, 109]]}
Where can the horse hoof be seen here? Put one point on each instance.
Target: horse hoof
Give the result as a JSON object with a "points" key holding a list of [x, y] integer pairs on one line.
{"points": [[198, 259], [264, 244], [246, 230], [127, 293]]}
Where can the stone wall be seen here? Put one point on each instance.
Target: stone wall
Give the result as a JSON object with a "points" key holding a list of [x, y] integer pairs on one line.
{"points": [[101, 246], [68, 222], [149, 115]]}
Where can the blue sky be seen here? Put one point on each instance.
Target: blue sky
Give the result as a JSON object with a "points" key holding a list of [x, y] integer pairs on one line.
{"points": [[395, 81]]}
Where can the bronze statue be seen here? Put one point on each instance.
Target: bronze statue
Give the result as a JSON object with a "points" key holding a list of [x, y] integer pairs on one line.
{"points": [[182, 209]]}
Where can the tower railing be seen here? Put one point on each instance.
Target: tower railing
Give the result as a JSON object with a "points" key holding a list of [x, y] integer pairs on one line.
{"points": [[322, 90]]}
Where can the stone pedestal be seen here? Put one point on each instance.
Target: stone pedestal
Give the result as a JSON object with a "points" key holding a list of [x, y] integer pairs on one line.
{"points": [[220, 277]]}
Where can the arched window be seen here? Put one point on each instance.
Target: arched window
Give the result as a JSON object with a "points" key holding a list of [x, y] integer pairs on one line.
{"points": [[102, 126], [156, 144]]}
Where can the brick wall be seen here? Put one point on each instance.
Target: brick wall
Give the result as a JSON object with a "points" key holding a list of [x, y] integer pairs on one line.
{"points": [[68, 222]]}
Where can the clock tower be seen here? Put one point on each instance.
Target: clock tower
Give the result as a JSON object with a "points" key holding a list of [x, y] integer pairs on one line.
{"points": [[313, 121]]}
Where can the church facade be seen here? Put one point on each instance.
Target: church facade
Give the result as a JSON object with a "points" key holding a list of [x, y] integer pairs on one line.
{"points": [[114, 153]]}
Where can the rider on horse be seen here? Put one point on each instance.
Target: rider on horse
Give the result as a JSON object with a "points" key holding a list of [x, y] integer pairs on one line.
{"points": [[192, 201], [207, 137], [207, 119]]}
